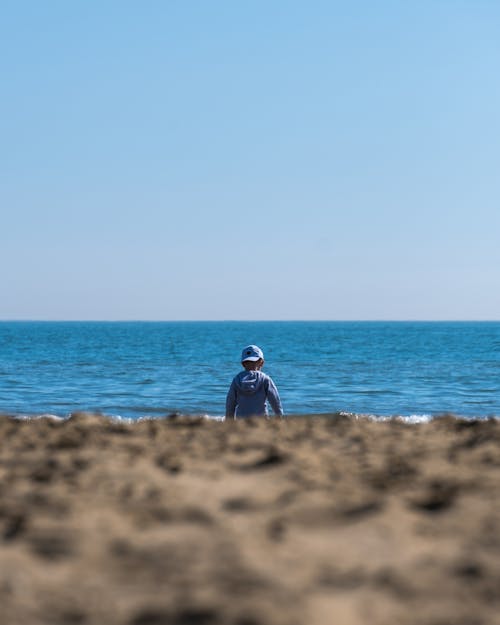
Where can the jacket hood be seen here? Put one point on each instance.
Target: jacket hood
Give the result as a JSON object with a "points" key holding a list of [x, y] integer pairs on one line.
{"points": [[249, 382]]}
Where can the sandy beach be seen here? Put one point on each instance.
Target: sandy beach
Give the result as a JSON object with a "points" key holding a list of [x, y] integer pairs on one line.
{"points": [[310, 520]]}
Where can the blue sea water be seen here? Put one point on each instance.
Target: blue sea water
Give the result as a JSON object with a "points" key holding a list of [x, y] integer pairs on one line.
{"points": [[144, 369]]}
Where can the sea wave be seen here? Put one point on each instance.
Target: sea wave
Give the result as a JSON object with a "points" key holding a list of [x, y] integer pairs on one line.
{"points": [[409, 419]]}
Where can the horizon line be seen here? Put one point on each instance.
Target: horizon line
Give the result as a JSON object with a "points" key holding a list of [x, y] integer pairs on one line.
{"points": [[322, 320]]}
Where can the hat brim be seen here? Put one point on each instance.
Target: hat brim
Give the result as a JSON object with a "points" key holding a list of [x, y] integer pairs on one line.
{"points": [[251, 359]]}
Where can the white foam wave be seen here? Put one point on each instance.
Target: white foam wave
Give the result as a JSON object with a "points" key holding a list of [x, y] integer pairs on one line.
{"points": [[409, 419], [30, 417]]}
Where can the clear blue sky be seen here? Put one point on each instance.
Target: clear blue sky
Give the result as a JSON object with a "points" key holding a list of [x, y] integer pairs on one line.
{"points": [[250, 160]]}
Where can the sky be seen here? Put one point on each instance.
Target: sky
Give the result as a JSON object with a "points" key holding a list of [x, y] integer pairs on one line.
{"points": [[195, 159]]}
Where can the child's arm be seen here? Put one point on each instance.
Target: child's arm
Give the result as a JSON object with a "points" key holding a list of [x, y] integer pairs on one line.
{"points": [[274, 399], [231, 401]]}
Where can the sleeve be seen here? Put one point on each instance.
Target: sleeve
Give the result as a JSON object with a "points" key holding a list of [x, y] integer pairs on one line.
{"points": [[231, 401], [274, 398]]}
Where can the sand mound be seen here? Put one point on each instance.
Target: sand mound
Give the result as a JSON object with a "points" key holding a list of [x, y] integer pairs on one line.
{"points": [[308, 521]]}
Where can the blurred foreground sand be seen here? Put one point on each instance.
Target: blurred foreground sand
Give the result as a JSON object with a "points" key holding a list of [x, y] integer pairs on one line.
{"points": [[308, 521]]}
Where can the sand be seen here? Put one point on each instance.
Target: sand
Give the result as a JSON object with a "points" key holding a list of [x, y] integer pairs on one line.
{"points": [[310, 521]]}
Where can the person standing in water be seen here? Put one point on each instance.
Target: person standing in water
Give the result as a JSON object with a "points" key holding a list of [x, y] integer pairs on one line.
{"points": [[251, 389]]}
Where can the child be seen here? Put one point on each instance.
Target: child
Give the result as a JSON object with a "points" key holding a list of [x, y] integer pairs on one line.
{"points": [[251, 389]]}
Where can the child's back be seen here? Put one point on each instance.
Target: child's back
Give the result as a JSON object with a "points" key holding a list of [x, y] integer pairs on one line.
{"points": [[251, 389]]}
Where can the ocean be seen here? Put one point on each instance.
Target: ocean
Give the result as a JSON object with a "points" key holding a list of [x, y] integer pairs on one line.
{"points": [[129, 370]]}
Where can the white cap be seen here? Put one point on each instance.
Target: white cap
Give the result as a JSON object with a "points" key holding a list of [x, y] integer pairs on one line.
{"points": [[252, 352]]}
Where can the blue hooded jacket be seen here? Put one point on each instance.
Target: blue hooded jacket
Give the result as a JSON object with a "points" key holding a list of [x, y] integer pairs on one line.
{"points": [[248, 394]]}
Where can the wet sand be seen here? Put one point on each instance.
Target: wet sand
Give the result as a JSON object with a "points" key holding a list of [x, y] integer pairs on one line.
{"points": [[308, 521]]}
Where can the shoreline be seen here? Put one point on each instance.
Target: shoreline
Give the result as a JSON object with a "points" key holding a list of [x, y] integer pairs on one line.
{"points": [[410, 419], [252, 522]]}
